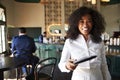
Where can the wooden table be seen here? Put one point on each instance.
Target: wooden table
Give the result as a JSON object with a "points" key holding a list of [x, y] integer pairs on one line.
{"points": [[8, 63]]}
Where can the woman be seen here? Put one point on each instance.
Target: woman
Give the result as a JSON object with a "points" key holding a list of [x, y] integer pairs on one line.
{"points": [[84, 40]]}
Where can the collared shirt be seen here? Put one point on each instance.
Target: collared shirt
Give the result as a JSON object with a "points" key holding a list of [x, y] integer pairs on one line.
{"points": [[95, 69]]}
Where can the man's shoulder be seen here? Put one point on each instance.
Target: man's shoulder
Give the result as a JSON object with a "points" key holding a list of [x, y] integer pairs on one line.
{"points": [[14, 37]]}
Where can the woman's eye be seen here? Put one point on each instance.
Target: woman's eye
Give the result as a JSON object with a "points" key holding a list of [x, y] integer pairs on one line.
{"points": [[81, 21], [89, 21]]}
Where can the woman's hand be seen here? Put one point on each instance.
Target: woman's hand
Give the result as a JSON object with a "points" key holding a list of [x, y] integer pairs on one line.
{"points": [[70, 65]]}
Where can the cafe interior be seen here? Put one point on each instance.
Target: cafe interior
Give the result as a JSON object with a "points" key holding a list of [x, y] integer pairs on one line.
{"points": [[50, 16]]}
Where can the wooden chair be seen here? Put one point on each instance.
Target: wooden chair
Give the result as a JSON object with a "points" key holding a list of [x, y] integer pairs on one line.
{"points": [[45, 68]]}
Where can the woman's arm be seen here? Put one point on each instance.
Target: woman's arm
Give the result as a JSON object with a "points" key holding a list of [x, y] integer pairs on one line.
{"points": [[64, 57]]}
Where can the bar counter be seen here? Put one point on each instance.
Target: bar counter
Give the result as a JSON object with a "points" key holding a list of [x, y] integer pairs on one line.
{"points": [[49, 50]]}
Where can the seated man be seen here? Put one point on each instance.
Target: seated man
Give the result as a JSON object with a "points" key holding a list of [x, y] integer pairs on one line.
{"points": [[23, 46]]}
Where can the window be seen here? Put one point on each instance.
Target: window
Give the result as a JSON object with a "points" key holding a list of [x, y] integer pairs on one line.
{"points": [[2, 30]]}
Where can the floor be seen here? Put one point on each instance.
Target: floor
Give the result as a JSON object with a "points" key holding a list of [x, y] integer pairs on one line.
{"points": [[11, 75]]}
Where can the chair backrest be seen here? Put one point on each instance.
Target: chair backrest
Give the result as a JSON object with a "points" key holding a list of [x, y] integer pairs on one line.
{"points": [[45, 66]]}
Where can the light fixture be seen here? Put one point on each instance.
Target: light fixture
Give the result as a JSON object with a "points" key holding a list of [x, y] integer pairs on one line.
{"points": [[105, 0], [94, 1], [88, 0], [71, 0]]}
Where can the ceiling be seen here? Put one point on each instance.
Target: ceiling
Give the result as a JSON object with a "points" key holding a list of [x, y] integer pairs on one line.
{"points": [[38, 1]]}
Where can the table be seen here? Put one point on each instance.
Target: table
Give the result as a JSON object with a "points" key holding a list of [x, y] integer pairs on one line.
{"points": [[8, 63]]}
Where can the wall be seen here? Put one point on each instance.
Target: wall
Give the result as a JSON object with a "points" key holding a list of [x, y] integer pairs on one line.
{"points": [[24, 14], [111, 14], [28, 14]]}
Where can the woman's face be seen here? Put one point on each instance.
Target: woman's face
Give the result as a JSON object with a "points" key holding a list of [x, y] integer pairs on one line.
{"points": [[85, 25]]}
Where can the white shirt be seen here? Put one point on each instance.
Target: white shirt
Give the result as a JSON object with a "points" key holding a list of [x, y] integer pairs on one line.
{"points": [[45, 40], [95, 69]]}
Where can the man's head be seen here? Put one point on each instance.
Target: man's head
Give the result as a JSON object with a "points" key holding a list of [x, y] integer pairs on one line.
{"points": [[44, 34], [22, 31]]}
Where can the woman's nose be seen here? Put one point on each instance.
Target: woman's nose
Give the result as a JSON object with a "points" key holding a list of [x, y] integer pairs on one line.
{"points": [[85, 24]]}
